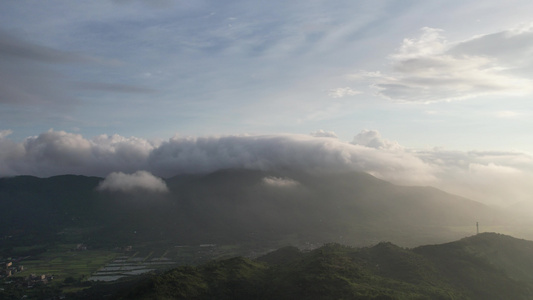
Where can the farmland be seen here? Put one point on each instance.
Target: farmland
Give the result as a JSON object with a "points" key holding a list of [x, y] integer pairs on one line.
{"points": [[69, 268]]}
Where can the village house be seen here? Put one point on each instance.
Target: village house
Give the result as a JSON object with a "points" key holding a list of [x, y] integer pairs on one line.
{"points": [[10, 270]]}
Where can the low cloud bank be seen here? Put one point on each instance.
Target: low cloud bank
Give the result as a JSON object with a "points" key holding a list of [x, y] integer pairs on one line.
{"points": [[490, 177], [138, 181]]}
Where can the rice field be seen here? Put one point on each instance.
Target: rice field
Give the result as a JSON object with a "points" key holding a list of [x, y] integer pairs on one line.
{"points": [[124, 266], [62, 261]]}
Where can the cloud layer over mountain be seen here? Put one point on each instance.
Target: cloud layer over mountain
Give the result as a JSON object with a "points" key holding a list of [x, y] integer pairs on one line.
{"points": [[493, 177]]}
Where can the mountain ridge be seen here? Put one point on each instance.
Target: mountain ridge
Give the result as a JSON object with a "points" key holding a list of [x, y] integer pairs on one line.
{"points": [[235, 205], [334, 271]]}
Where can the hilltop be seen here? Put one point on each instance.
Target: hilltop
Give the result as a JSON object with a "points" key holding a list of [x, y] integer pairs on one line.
{"points": [[485, 266], [244, 212], [235, 206]]}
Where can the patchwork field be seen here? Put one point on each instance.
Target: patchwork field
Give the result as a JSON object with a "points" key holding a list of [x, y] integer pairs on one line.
{"points": [[64, 261], [68, 261]]}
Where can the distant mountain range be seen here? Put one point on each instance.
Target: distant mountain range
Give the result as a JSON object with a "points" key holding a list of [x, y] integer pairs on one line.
{"points": [[237, 205], [484, 266]]}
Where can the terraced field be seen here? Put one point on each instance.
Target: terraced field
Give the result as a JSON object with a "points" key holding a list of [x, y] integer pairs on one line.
{"points": [[124, 266]]}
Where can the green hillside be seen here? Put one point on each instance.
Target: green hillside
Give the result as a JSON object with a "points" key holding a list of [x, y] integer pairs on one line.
{"points": [[467, 269], [246, 212], [236, 206]]}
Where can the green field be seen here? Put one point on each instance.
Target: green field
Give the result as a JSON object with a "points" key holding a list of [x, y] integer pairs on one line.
{"points": [[62, 262], [76, 270]]}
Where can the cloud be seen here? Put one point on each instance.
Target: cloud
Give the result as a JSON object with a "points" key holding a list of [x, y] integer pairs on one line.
{"points": [[278, 152], [10, 152], [494, 177], [138, 181], [34, 75], [343, 92], [487, 176], [114, 88], [60, 152], [373, 139], [508, 114], [323, 133], [431, 69], [12, 47], [512, 47], [160, 4], [27, 73], [5, 133], [279, 182]]}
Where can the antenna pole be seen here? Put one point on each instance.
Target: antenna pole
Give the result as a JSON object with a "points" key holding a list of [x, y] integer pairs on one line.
{"points": [[477, 227]]}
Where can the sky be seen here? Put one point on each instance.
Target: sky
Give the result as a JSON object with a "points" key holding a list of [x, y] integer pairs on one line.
{"points": [[414, 92]]}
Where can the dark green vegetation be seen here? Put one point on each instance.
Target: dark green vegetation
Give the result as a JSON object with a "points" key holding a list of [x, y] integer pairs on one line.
{"points": [[486, 266], [245, 213], [232, 207]]}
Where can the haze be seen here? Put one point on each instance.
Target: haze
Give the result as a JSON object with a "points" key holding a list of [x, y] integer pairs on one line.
{"points": [[413, 92]]}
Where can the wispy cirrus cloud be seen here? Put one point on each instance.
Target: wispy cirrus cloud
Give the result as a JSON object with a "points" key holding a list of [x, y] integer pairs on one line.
{"points": [[13, 47], [28, 74], [113, 87]]}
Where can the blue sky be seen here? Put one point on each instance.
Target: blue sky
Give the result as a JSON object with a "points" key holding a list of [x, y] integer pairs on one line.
{"points": [[422, 78]]}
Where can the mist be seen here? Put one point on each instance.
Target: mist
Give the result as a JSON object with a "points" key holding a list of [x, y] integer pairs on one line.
{"points": [[131, 183]]}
